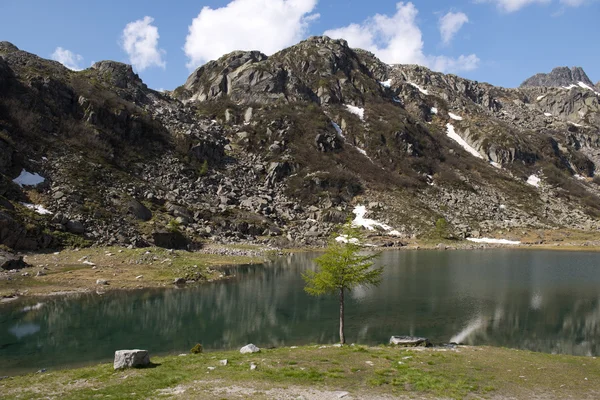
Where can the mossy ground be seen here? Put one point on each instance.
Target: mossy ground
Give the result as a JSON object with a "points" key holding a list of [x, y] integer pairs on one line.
{"points": [[364, 372]]}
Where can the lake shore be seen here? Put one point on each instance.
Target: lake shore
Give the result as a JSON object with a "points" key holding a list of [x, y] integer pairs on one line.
{"points": [[102, 269], [327, 372]]}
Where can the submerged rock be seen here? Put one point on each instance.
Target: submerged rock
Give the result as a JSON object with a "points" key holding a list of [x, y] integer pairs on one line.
{"points": [[131, 359]]}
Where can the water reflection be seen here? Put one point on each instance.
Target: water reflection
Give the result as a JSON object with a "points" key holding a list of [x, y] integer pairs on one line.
{"points": [[544, 301]]}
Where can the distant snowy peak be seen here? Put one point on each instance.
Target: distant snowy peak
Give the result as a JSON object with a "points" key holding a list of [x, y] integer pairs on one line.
{"points": [[560, 77]]}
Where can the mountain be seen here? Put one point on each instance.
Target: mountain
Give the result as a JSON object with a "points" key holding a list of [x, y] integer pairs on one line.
{"points": [[282, 149], [560, 76]]}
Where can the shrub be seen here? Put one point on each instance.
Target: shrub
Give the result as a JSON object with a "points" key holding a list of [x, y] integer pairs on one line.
{"points": [[197, 349]]}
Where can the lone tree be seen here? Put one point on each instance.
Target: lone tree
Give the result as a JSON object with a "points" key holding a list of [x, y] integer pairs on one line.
{"points": [[342, 268]]}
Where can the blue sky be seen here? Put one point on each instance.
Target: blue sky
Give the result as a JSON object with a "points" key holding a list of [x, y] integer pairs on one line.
{"points": [[497, 41]]}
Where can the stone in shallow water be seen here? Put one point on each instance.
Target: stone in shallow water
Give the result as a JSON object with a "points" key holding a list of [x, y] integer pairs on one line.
{"points": [[410, 341], [131, 359], [249, 348]]}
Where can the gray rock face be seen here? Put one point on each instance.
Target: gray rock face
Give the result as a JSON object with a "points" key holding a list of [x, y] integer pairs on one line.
{"points": [[249, 348], [560, 76], [131, 359], [10, 261], [410, 341], [119, 74]]}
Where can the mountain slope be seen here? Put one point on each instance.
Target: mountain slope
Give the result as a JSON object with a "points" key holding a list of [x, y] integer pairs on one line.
{"points": [[281, 149]]}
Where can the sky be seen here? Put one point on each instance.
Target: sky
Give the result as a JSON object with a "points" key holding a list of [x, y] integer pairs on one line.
{"points": [[502, 42]]}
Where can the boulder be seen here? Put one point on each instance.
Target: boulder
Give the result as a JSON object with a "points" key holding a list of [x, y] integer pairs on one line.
{"points": [[249, 348], [410, 341], [170, 240], [139, 210], [75, 227], [131, 359], [10, 261]]}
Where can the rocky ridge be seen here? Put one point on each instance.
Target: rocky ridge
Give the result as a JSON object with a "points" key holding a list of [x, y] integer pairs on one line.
{"points": [[280, 150]]}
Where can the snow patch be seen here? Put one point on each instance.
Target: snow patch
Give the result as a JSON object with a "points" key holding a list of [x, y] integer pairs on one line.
{"points": [[493, 241], [370, 224], [434, 110], [534, 180], [356, 111], [454, 136], [574, 124], [547, 114], [571, 86], [386, 84], [495, 164], [424, 91], [455, 117], [28, 179], [37, 208], [541, 97], [583, 85], [579, 177]]}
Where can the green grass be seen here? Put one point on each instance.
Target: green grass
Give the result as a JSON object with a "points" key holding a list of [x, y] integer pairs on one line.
{"points": [[468, 372]]}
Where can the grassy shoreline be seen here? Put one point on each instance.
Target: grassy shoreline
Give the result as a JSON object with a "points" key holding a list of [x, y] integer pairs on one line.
{"points": [[327, 372]]}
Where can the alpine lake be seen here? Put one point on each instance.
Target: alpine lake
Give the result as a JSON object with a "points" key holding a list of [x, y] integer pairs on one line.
{"points": [[546, 301]]}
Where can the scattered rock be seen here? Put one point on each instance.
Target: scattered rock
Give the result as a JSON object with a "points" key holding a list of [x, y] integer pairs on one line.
{"points": [[131, 359], [410, 341], [101, 282], [249, 348], [223, 362]]}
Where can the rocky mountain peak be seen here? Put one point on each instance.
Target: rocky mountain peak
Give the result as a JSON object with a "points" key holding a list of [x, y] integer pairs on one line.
{"points": [[560, 76], [7, 47], [119, 74], [318, 69]]}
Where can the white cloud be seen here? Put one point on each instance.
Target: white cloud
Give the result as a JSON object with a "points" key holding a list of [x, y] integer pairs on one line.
{"points": [[450, 24], [140, 42], [515, 5], [265, 25], [398, 40], [68, 58]]}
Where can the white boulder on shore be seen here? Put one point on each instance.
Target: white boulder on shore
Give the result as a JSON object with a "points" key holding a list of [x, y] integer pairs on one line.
{"points": [[249, 348], [131, 359]]}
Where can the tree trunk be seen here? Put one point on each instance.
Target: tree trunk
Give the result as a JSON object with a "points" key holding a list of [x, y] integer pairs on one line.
{"points": [[342, 337]]}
